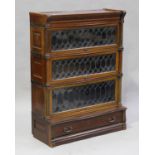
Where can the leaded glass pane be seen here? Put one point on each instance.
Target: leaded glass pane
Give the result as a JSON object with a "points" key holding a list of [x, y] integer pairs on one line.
{"points": [[83, 37], [81, 96], [83, 66]]}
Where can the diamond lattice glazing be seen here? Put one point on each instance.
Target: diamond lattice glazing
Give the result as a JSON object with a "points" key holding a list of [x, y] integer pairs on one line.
{"points": [[82, 96], [83, 37], [83, 66]]}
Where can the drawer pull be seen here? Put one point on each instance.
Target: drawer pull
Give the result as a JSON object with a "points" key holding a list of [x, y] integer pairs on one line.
{"points": [[112, 119], [68, 129]]}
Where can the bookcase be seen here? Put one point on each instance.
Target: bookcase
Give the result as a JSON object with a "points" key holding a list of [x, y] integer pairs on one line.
{"points": [[76, 74]]}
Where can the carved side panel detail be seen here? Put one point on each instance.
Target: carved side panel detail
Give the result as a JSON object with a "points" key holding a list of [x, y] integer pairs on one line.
{"points": [[37, 40], [37, 69]]}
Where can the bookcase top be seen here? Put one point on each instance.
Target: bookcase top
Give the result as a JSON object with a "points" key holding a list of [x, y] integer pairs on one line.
{"points": [[79, 12], [46, 17]]}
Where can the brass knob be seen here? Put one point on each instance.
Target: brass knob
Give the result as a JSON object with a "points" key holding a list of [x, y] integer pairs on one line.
{"points": [[68, 129], [112, 119]]}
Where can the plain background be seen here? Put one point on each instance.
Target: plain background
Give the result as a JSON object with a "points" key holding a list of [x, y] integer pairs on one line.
{"points": [[115, 143]]}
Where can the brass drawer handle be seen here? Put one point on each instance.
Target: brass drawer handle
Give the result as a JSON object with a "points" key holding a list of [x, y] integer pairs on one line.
{"points": [[68, 129], [112, 119]]}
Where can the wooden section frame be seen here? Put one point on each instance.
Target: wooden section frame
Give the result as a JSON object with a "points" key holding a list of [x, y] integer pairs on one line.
{"points": [[73, 25], [81, 78], [58, 117]]}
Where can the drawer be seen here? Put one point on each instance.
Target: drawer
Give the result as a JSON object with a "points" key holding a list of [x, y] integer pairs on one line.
{"points": [[87, 124]]}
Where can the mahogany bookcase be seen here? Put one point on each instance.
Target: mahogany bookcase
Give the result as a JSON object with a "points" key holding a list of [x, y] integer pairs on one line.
{"points": [[76, 74]]}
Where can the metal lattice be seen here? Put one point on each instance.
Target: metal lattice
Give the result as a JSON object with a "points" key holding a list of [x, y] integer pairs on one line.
{"points": [[83, 66], [83, 37], [82, 96]]}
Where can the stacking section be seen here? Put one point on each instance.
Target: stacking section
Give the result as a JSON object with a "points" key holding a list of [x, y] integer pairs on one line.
{"points": [[76, 74]]}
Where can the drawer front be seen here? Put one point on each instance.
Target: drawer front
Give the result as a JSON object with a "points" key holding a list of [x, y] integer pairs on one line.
{"points": [[74, 97], [87, 124], [83, 37], [67, 68]]}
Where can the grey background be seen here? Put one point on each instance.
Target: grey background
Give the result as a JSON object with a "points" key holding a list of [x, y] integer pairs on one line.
{"points": [[118, 143]]}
